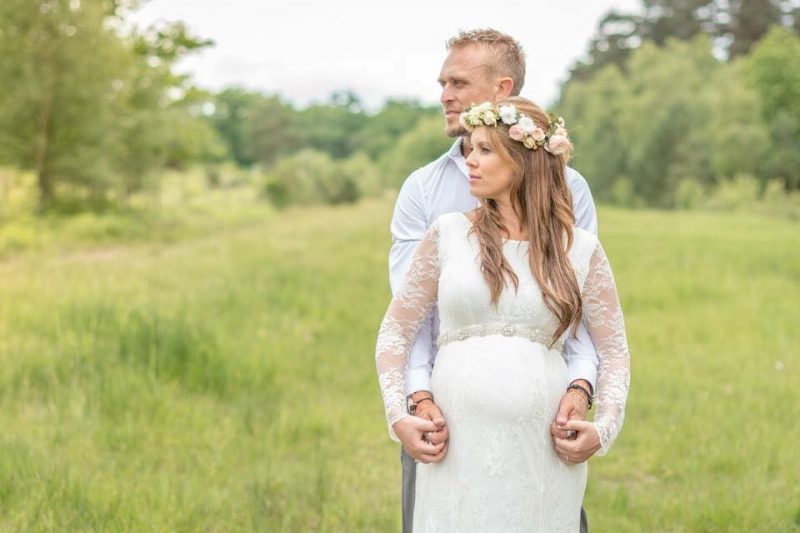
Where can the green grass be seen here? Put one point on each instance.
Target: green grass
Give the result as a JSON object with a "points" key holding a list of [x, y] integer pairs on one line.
{"points": [[223, 379]]}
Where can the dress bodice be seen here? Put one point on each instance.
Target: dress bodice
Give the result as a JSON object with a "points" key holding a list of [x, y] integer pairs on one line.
{"points": [[464, 298]]}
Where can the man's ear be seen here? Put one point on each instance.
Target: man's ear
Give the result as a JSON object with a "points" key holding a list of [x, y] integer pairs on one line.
{"points": [[504, 88]]}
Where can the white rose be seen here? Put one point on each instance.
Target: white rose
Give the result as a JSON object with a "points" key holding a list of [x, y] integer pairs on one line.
{"points": [[489, 119], [538, 134], [484, 107], [508, 114], [462, 120], [527, 124], [561, 131]]}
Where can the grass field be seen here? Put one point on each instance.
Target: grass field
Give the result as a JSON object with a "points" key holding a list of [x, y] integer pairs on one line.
{"points": [[224, 380]]}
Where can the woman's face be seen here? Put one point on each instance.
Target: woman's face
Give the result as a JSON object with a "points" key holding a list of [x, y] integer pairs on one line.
{"points": [[490, 175]]}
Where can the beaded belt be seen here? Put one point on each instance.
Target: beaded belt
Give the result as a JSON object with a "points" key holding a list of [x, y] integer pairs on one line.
{"points": [[507, 330]]}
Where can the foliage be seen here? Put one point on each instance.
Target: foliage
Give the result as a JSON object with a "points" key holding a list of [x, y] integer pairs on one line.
{"points": [[313, 177], [676, 114], [87, 108], [774, 70], [734, 25], [419, 146]]}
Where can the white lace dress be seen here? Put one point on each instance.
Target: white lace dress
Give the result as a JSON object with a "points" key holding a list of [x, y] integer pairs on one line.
{"points": [[498, 384]]}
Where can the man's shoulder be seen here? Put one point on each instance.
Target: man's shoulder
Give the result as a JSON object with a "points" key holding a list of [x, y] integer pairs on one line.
{"points": [[575, 179]]}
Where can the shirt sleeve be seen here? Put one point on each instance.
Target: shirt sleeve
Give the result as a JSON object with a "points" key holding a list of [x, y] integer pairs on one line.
{"points": [[582, 202], [579, 351], [605, 323], [408, 310], [409, 225]]}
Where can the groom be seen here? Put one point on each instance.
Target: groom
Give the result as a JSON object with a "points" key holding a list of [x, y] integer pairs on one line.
{"points": [[481, 65]]}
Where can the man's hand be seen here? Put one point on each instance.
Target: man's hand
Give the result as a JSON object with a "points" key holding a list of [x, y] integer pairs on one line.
{"points": [[573, 406], [430, 411], [411, 431], [583, 446]]}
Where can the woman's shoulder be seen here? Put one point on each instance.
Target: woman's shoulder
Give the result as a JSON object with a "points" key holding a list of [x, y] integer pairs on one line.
{"points": [[586, 238], [456, 218], [584, 243]]}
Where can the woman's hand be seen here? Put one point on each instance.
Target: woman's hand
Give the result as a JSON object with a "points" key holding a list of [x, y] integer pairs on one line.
{"points": [[412, 430], [583, 446]]}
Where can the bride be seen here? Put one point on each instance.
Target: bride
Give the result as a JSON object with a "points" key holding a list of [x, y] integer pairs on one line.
{"points": [[511, 279]]}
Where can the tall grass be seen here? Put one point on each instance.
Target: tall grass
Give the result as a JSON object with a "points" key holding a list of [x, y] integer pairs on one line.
{"points": [[224, 380]]}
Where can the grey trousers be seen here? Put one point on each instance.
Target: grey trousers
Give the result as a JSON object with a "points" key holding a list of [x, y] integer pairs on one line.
{"points": [[409, 491]]}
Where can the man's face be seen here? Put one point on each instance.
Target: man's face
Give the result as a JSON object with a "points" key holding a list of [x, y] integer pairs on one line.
{"points": [[465, 81]]}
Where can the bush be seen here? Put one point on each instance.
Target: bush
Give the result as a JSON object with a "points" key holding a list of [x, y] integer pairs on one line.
{"points": [[689, 194], [739, 193], [313, 177]]}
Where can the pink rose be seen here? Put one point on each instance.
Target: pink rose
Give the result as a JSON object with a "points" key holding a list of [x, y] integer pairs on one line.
{"points": [[538, 134], [516, 133], [558, 144]]}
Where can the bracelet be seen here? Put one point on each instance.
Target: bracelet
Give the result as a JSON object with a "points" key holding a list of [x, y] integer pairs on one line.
{"points": [[581, 389], [412, 405]]}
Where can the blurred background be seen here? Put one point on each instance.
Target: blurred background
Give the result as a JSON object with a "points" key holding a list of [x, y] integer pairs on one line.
{"points": [[194, 210]]}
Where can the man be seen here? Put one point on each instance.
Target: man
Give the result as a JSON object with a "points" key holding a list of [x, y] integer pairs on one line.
{"points": [[481, 65]]}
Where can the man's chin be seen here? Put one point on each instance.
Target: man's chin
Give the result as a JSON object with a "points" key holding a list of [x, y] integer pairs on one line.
{"points": [[455, 131]]}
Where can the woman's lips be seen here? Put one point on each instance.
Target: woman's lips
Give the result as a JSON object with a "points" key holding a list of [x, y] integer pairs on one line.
{"points": [[474, 177]]}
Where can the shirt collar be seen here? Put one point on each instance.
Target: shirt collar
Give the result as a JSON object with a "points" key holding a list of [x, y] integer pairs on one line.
{"points": [[458, 158]]}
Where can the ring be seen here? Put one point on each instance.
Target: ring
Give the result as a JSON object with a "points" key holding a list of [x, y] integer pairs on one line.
{"points": [[427, 436], [571, 434]]}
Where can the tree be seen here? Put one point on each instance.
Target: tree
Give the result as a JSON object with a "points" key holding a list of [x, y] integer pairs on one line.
{"points": [[773, 69], [418, 146], [270, 127], [232, 108], [83, 106], [734, 26], [59, 96]]}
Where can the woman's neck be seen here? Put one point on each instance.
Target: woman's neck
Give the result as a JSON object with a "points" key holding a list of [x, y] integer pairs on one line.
{"points": [[510, 220]]}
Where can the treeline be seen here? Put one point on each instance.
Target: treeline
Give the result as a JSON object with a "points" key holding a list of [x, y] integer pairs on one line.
{"points": [[92, 106], [690, 103], [330, 152], [700, 114]]}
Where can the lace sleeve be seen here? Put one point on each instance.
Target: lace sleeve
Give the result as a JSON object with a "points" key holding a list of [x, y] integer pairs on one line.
{"points": [[604, 321], [407, 311]]}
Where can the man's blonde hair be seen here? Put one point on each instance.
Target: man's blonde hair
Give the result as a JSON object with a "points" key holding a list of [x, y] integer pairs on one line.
{"points": [[509, 59]]}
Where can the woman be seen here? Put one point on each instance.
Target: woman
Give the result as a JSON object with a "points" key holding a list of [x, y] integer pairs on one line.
{"points": [[511, 280]]}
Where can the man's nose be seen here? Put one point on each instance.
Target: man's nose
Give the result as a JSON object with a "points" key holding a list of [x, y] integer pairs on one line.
{"points": [[447, 94]]}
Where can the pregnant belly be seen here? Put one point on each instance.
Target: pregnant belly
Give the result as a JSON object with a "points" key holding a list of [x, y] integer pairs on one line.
{"points": [[498, 380]]}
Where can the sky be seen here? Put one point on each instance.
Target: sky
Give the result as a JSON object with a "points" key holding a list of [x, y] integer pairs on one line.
{"points": [[304, 50]]}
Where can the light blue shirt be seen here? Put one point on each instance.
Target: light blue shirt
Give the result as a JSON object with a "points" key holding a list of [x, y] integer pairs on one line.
{"points": [[443, 187]]}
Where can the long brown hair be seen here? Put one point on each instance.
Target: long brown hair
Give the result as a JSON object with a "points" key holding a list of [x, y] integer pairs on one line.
{"points": [[542, 201]]}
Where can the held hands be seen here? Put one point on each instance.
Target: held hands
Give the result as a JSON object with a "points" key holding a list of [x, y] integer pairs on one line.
{"points": [[424, 436], [582, 447], [575, 440]]}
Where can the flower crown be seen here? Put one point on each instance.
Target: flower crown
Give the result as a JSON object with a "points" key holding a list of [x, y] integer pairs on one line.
{"points": [[522, 127]]}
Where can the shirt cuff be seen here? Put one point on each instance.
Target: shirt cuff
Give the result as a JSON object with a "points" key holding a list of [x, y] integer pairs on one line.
{"points": [[419, 379], [582, 370]]}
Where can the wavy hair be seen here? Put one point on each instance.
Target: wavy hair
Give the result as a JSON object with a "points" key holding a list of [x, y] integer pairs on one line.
{"points": [[542, 201]]}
